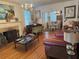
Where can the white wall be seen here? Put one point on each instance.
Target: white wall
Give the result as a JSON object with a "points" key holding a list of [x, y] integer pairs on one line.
{"points": [[59, 6]]}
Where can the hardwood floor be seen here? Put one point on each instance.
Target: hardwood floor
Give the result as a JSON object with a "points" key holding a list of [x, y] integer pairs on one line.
{"points": [[36, 51]]}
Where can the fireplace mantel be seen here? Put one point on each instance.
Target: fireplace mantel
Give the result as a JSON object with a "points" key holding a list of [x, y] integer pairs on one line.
{"points": [[8, 26]]}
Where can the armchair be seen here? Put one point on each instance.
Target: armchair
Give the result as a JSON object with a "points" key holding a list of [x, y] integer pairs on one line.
{"points": [[38, 28]]}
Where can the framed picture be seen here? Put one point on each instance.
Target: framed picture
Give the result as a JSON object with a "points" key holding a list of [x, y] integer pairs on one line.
{"points": [[70, 12]]}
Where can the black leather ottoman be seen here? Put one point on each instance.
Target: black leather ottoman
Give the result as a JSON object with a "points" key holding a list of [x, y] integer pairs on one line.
{"points": [[26, 40]]}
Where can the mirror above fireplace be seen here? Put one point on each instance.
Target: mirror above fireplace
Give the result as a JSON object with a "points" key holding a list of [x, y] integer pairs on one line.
{"points": [[6, 12]]}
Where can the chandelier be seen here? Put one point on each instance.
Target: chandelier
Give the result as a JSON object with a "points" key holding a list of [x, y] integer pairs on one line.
{"points": [[27, 6]]}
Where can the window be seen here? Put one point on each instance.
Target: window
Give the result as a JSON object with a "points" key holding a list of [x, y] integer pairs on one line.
{"points": [[27, 17], [53, 16], [46, 17]]}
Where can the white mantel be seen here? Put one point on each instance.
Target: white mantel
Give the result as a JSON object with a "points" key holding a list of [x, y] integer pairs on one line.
{"points": [[8, 26]]}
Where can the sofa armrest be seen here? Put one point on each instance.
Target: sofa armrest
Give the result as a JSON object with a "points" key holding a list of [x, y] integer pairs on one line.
{"points": [[55, 43]]}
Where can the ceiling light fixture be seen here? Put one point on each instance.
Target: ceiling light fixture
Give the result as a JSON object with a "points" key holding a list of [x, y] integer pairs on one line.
{"points": [[27, 6]]}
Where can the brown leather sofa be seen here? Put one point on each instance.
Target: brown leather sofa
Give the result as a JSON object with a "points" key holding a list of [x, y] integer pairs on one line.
{"points": [[55, 48]]}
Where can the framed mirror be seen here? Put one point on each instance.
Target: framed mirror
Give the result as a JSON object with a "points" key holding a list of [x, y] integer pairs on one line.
{"points": [[6, 12]]}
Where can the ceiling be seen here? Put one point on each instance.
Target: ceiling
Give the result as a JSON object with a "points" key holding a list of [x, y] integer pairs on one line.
{"points": [[37, 3]]}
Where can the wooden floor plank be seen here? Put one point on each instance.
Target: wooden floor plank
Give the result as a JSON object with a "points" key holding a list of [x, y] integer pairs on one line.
{"points": [[34, 52]]}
